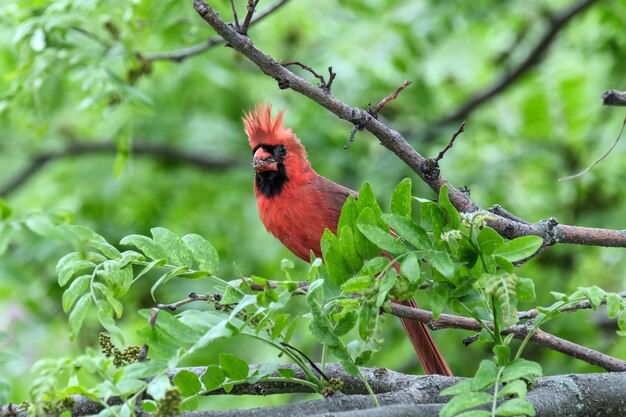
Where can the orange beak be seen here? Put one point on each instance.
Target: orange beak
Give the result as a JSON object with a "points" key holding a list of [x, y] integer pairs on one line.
{"points": [[263, 161]]}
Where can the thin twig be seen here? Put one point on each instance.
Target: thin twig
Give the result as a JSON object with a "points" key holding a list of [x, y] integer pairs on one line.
{"points": [[180, 55], [497, 209], [246, 23], [531, 314], [235, 17], [390, 97], [192, 297], [361, 123], [323, 84], [597, 161], [614, 98], [460, 130], [313, 365]]}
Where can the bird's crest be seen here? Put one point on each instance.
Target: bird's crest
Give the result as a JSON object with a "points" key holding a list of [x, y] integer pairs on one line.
{"points": [[262, 129]]}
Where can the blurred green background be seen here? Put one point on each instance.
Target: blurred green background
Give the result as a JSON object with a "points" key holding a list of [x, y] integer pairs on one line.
{"points": [[71, 74]]}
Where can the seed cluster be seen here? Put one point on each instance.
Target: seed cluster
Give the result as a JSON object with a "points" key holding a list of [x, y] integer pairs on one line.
{"points": [[120, 357]]}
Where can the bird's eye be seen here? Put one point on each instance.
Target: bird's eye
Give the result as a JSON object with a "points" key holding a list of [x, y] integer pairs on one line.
{"points": [[280, 151]]}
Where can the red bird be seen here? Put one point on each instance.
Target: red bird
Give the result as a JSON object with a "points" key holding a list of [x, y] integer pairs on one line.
{"points": [[296, 204]]}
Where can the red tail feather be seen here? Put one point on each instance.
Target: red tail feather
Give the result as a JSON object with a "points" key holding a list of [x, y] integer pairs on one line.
{"points": [[427, 352]]}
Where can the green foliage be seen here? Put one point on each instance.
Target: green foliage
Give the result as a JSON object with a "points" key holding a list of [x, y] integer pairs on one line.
{"points": [[374, 259], [73, 75]]}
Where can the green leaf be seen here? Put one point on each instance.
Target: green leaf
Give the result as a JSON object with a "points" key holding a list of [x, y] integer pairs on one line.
{"points": [[76, 288], [485, 375], [357, 284], [108, 323], [100, 243], [450, 210], [184, 335], [146, 245], [410, 268], [234, 367], [203, 253], [380, 237], [117, 306], [621, 323], [401, 199], [408, 230], [287, 373], [516, 387], [521, 368], [520, 248], [177, 253], [465, 401], [442, 262], [347, 248], [219, 331], [213, 377], [433, 217], [336, 267], [503, 354], [166, 277], [279, 325], [595, 295], [78, 314], [6, 211], [117, 279], [368, 200], [349, 215], [189, 404], [386, 284], [461, 387], [151, 266], [374, 266], [613, 304], [346, 323], [187, 382], [515, 407], [68, 269], [489, 240], [525, 290], [157, 387], [42, 225]]}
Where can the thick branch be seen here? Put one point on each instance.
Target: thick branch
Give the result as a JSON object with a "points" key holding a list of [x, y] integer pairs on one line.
{"points": [[180, 55], [427, 169], [160, 152], [519, 332], [564, 395], [557, 22]]}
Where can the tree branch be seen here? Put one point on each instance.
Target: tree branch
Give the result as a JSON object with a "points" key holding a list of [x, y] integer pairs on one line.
{"points": [[600, 395], [163, 153], [180, 55], [427, 169], [539, 337], [557, 22]]}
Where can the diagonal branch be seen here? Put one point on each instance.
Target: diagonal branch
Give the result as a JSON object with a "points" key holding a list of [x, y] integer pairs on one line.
{"points": [[427, 169], [557, 22], [163, 153], [540, 337], [180, 55]]}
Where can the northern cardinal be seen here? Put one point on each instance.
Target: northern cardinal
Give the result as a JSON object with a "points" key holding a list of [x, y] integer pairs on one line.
{"points": [[296, 204]]}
